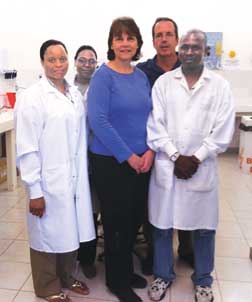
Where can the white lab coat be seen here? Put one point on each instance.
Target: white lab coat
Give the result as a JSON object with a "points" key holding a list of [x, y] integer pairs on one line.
{"points": [[51, 146], [199, 121]]}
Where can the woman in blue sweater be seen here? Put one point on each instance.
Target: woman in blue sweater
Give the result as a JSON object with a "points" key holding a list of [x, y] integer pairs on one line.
{"points": [[119, 102]]}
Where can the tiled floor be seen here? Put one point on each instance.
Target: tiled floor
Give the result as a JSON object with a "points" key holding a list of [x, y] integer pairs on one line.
{"points": [[233, 268]]}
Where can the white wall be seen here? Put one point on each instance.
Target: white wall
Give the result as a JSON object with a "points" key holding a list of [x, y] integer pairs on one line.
{"points": [[25, 25]]}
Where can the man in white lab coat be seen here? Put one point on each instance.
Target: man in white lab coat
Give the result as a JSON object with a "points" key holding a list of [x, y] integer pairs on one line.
{"points": [[165, 40], [52, 157], [191, 122]]}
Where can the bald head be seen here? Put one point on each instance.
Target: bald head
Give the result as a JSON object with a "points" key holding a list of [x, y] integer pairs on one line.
{"points": [[197, 35], [192, 49]]}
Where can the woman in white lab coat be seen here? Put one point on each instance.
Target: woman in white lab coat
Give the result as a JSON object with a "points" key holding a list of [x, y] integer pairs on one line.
{"points": [[52, 157]]}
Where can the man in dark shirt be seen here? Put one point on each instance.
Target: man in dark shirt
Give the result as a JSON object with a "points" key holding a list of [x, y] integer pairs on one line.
{"points": [[165, 40]]}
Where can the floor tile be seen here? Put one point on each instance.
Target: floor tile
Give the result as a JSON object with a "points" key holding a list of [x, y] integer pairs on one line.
{"points": [[21, 204], [13, 274], [182, 290], [241, 204], [18, 193], [27, 297], [231, 247], [229, 230], [236, 291], [14, 215], [243, 214], [23, 235], [89, 299], [233, 269], [7, 202], [246, 227], [225, 211], [18, 251], [10, 230], [4, 244], [7, 295], [3, 211], [28, 285]]}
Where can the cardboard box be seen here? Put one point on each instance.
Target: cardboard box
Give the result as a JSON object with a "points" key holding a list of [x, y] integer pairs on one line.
{"points": [[3, 170], [245, 150]]}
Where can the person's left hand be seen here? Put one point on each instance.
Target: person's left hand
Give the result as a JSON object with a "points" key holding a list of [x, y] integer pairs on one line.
{"points": [[147, 157]]}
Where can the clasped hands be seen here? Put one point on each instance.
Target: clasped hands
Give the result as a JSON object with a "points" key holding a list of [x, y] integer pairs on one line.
{"points": [[141, 164], [186, 166]]}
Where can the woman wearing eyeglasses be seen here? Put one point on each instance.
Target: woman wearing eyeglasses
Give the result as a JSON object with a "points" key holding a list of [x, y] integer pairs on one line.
{"points": [[119, 103], [52, 158], [85, 61]]}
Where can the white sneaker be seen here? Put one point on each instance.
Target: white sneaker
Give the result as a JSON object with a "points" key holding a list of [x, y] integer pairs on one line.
{"points": [[157, 289], [203, 294]]}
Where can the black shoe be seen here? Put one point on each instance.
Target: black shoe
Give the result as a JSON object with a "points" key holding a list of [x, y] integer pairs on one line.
{"points": [[147, 266], [138, 281], [125, 294], [189, 259], [89, 270]]}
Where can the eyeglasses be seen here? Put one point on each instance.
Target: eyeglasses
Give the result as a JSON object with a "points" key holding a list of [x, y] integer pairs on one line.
{"points": [[84, 61]]}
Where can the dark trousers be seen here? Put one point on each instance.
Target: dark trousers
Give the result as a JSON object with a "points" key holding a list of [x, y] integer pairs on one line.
{"points": [[122, 194], [185, 247], [87, 250]]}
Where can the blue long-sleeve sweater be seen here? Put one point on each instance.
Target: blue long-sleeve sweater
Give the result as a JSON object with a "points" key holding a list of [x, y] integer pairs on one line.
{"points": [[118, 108]]}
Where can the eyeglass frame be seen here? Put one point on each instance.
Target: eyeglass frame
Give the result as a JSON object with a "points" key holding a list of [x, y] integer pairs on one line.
{"points": [[84, 61]]}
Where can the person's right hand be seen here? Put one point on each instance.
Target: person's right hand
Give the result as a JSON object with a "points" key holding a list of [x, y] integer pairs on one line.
{"points": [[37, 206], [136, 162]]}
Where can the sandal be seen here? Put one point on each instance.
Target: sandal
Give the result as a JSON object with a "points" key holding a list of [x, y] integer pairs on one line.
{"points": [[61, 297], [79, 288]]}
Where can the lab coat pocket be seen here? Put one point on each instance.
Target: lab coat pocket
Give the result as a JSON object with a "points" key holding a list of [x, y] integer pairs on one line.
{"points": [[205, 178], [163, 171], [56, 181]]}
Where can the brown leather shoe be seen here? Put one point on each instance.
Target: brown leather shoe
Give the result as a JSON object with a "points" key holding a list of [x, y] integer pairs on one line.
{"points": [[79, 288], [61, 297]]}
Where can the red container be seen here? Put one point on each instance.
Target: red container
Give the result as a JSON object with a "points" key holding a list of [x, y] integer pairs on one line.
{"points": [[11, 98]]}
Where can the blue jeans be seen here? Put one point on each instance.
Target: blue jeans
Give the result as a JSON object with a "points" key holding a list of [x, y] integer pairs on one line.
{"points": [[203, 246]]}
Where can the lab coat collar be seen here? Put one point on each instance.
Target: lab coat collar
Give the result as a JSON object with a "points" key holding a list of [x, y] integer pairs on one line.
{"points": [[49, 86], [206, 74]]}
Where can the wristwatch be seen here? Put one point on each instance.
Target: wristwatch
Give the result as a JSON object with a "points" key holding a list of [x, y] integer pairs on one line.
{"points": [[174, 156]]}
